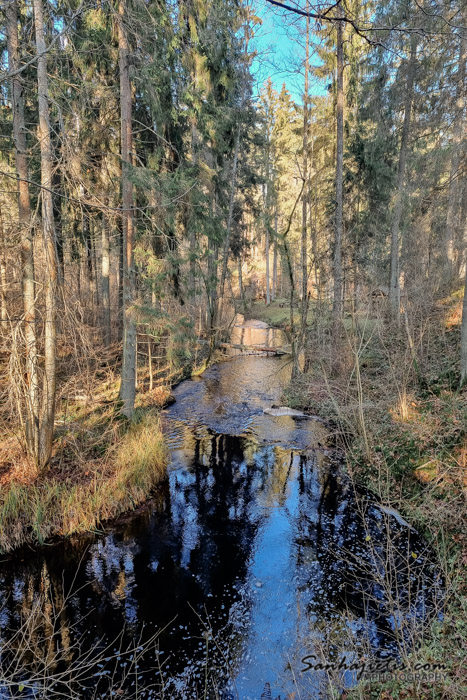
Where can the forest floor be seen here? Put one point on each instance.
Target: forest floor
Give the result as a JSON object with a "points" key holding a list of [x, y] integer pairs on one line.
{"points": [[277, 313], [403, 421]]}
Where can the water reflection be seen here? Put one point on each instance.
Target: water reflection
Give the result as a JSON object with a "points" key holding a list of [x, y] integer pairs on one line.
{"points": [[257, 546]]}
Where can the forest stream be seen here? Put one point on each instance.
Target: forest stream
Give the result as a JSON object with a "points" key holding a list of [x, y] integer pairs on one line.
{"points": [[258, 552]]}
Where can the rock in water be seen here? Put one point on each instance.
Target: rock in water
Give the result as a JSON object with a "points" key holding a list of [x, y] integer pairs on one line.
{"points": [[279, 411]]}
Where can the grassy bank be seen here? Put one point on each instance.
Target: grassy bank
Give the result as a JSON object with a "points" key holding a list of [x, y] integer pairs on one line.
{"points": [[102, 466], [277, 313]]}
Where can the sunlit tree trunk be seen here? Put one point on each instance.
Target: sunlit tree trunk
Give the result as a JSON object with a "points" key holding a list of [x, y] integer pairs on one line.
{"points": [[455, 189], [228, 235], [464, 334], [192, 231], [3, 278], [105, 271], [339, 216], [26, 234], [394, 286], [50, 253], [274, 259], [240, 281], [127, 387], [303, 249], [266, 224], [57, 210]]}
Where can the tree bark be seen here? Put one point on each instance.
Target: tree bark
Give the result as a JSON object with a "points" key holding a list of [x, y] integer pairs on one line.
{"points": [[3, 282], [339, 217], [454, 199], [151, 376], [240, 281], [105, 271], [57, 210], [394, 286], [48, 233], [268, 286], [464, 334], [192, 231], [266, 224], [128, 380], [233, 185], [274, 259], [26, 233], [303, 249]]}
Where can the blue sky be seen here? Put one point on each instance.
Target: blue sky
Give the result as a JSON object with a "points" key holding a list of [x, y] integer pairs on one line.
{"points": [[280, 56]]}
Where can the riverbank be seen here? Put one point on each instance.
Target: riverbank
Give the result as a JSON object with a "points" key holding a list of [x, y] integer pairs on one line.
{"points": [[395, 399], [102, 466]]}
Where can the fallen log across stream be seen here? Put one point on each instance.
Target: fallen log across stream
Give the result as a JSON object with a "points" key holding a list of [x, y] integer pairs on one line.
{"points": [[254, 349]]}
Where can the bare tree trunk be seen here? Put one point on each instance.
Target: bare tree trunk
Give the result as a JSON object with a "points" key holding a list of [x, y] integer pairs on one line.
{"points": [[339, 217], [455, 190], [274, 259], [48, 231], [57, 204], [88, 262], [240, 281], [120, 277], [127, 387], [3, 282], [151, 375], [268, 285], [96, 284], [25, 226], [192, 278], [192, 231], [303, 249], [105, 268], [394, 286], [233, 184], [266, 224], [464, 334]]}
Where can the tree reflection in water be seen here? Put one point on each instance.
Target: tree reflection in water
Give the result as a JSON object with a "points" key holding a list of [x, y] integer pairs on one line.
{"points": [[257, 550]]}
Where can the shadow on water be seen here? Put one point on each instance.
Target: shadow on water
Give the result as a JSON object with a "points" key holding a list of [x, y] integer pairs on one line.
{"points": [[257, 545]]}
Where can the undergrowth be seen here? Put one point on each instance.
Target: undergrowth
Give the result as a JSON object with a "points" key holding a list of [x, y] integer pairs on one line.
{"points": [[402, 421]]}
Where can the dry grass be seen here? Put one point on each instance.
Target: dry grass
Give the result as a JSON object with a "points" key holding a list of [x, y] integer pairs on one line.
{"points": [[406, 419], [91, 494]]}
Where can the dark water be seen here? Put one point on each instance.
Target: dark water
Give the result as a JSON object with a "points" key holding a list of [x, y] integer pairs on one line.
{"points": [[257, 551]]}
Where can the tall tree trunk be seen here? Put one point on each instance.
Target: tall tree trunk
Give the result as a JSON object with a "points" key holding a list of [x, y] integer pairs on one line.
{"points": [[57, 204], [274, 258], [48, 232], [119, 225], [26, 233], [464, 334], [89, 262], [303, 249], [268, 276], [3, 282], [339, 216], [228, 235], [151, 375], [455, 189], [394, 286], [192, 277], [240, 281], [105, 270], [266, 223], [127, 387], [192, 230]]}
